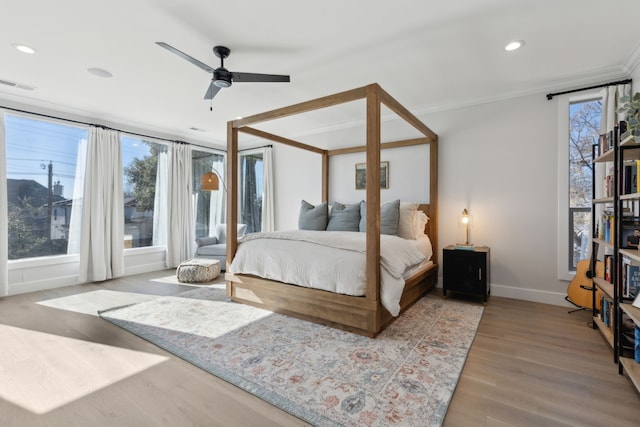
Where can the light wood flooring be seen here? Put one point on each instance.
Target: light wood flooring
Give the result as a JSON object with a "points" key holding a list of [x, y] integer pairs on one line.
{"points": [[530, 365]]}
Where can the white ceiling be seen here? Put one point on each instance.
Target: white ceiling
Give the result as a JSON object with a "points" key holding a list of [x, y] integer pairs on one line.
{"points": [[428, 54]]}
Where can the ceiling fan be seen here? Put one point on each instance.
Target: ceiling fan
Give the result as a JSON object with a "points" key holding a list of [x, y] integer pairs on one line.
{"points": [[221, 76]]}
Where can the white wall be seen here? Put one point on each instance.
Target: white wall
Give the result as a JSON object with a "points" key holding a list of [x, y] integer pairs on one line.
{"points": [[408, 177], [297, 176], [499, 161]]}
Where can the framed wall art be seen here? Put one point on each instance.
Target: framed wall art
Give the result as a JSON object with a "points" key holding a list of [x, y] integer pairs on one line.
{"points": [[361, 175]]}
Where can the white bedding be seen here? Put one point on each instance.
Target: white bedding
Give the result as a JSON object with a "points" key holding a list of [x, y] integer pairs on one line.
{"points": [[330, 260]]}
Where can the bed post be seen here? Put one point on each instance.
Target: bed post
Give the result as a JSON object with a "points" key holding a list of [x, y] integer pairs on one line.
{"points": [[232, 192], [433, 195], [373, 201], [325, 176]]}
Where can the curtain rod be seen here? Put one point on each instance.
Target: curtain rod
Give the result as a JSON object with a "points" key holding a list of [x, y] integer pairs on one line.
{"points": [[620, 82], [106, 127], [255, 148]]}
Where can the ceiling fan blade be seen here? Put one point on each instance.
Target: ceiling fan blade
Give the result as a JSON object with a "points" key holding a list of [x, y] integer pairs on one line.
{"points": [[253, 77], [183, 55], [212, 91]]}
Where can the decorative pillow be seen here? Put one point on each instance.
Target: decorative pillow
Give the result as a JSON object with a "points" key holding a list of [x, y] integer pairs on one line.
{"points": [[344, 217], [206, 241], [405, 223], [389, 217], [221, 232], [313, 217], [420, 221]]}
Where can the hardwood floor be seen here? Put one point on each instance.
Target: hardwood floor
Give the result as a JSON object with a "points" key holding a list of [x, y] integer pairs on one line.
{"points": [[530, 365]]}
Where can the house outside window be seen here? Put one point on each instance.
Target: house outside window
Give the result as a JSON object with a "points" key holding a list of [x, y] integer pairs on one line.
{"points": [[41, 169]]}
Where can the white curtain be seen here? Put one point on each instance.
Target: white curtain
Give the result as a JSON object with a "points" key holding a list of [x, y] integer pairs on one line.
{"points": [[180, 227], [160, 201], [4, 213], [102, 235], [218, 198], [267, 194], [610, 102], [75, 221]]}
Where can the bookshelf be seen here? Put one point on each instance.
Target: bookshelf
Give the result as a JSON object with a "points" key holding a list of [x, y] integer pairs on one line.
{"points": [[603, 210], [615, 214]]}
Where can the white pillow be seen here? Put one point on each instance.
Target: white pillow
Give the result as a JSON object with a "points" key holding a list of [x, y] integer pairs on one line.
{"points": [[420, 221], [405, 223]]}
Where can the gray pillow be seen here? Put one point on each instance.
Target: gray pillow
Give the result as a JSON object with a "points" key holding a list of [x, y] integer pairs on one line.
{"points": [[344, 217], [206, 241], [313, 217], [389, 217]]}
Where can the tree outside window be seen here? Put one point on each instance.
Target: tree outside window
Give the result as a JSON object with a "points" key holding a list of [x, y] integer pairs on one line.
{"points": [[584, 130]]}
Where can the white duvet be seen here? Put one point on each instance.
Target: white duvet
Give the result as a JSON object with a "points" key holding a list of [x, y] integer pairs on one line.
{"points": [[328, 260]]}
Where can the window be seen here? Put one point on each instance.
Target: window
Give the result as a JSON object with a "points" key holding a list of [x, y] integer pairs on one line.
{"points": [[208, 205], [251, 190], [144, 165], [584, 129], [41, 169]]}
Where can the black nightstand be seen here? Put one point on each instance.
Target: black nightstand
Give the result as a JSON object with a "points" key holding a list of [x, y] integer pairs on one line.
{"points": [[466, 271]]}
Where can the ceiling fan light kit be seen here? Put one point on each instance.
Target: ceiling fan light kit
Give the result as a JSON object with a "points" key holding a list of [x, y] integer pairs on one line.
{"points": [[221, 77]]}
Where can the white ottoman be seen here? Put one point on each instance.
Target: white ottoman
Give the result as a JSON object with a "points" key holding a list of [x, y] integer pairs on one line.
{"points": [[197, 270]]}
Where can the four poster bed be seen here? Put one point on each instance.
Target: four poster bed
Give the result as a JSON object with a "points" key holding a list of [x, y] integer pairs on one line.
{"points": [[365, 314]]}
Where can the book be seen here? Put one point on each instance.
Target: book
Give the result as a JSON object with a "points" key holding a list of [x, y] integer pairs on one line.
{"points": [[629, 278], [608, 267], [464, 246], [628, 336], [637, 344], [630, 239], [633, 279], [637, 180], [630, 177]]}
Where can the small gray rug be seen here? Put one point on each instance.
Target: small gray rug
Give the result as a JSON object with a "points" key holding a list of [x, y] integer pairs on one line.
{"points": [[404, 376]]}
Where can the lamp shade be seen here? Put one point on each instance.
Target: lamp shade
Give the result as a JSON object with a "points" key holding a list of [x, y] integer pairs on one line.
{"points": [[209, 182]]}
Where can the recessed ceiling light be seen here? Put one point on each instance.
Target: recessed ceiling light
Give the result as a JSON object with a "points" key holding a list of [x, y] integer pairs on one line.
{"points": [[514, 45], [197, 129], [24, 48], [99, 72]]}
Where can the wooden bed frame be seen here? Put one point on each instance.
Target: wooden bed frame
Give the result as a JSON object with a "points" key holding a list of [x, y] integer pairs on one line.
{"points": [[364, 315]]}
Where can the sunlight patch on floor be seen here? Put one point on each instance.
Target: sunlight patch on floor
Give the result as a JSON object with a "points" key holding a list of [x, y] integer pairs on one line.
{"points": [[41, 372], [92, 302], [199, 317]]}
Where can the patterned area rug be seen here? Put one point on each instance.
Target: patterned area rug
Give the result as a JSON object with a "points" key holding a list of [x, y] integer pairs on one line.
{"points": [[327, 377]]}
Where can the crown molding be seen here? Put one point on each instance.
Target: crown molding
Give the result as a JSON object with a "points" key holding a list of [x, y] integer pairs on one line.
{"points": [[633, 61]]}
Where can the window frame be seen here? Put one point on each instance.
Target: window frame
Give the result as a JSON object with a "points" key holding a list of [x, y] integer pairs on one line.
{"points": [[54, 259], [563, 232], [140, 249]]}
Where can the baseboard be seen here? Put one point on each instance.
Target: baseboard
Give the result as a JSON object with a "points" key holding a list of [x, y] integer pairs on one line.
{"points": [[61, 281], [535, 295], [130, 270], [526, 294], [42, 285]]}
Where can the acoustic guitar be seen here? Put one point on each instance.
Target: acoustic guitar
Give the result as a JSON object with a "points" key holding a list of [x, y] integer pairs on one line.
{"points": [[579, 291]]}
